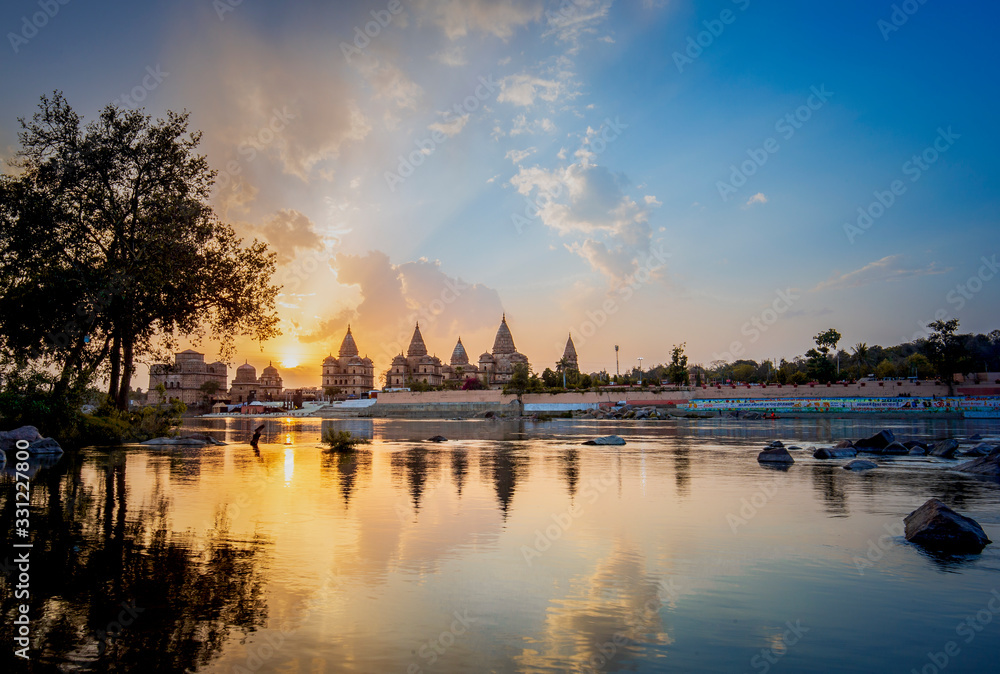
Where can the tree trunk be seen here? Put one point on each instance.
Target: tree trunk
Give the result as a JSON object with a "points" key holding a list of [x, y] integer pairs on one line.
{"points": [[116, 362], [126, 376]]}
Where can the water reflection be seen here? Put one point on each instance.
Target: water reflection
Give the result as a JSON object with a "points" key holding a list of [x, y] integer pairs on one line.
{"points": [[412, 465], [459, 467], [115, 587], [348, 467], [504, 466]]}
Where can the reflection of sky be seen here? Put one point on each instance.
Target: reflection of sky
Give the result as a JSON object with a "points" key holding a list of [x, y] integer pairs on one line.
{"points": [[641, 556]]}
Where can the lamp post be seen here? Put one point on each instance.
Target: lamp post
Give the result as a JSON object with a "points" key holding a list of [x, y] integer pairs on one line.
{"points": [[640, 371], [617, 374]]}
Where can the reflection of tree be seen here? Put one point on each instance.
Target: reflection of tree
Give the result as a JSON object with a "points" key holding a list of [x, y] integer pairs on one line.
{"points": [[459, 468], [503, 466], [347, 465], [682, 470], [94, 557], [414, 464], [826, 481], [570, 469]]}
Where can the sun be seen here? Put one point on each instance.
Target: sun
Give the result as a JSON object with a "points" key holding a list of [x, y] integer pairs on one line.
{"points": [[289, 363]]}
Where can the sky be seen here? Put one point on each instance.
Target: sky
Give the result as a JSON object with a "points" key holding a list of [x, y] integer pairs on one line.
{"points": [[735, 175]]}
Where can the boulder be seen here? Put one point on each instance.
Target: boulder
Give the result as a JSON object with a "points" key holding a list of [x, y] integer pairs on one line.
{"points": [[835, 453], [880, 440], [188, 442], [606, 440], [945, 449], [775, 444], [895, 448], [776, 455], [790, 448], [914, 444], [860, 464], [918, 451], [844, 444], [752, 416], [437, 438], [203, 437], [986, 465], [45, 446], [975, 437], [8, 439], [937, 527], [979, 450]]}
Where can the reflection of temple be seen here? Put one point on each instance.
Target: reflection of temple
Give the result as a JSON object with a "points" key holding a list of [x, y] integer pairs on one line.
{"points": [[495, 369], [183, 380], [349, 372], [248, 388]]}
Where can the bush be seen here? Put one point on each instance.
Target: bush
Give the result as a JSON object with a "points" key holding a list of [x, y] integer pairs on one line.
{"points": [[342, 441]]}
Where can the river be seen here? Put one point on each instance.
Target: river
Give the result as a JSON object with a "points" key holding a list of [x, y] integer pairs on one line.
{"points": [[511, 547]]}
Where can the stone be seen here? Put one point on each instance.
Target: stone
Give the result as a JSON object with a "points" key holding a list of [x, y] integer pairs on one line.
{"points": [[914, 444], [844, 444], [835, 453], [895, 448], [860, 464], [775, 444], [945, 449], [606, 440], [987, 465], [8, 439], [979, 450], [918, 451], [975, 438], [188, 442], [437, 438], [794, 447], [776, 455], [878, 441], [45, 446], [938, 528]]}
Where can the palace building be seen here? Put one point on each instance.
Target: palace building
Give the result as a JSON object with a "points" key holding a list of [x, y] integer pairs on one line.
{"points": [[494, 370], [184, 379], [247, 387], [349, 372]]}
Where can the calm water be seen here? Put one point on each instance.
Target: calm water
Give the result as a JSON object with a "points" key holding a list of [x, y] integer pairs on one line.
{"points": [[510, 548]]}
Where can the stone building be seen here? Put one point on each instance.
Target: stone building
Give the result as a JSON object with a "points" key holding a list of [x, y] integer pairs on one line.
{"points": [[459, 369], [569, 358], [185, 377], [497, 368], [349, 372], [416, 365], [247, 387]]}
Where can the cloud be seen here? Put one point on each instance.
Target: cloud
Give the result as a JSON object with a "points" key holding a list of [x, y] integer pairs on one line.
{"points": [[589, 204], [394, 297], [454, 56], [460, 17], [450, 127], [758, 198], [571, 22], [889, 268], [522, 125], [289, 231], [517, 156], [524, 89]]}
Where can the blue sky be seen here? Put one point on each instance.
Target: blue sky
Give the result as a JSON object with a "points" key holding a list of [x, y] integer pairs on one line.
{"points": [[573, 156]]}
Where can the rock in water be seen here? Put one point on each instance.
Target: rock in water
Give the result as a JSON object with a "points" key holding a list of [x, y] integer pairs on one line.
{"points": [[184, 442], [987, 465], [844, 444], [45, 446], [945, 449], [880, 440], [606, 440], [895, 448], [861, 464], [437, 438], [979, 450], [918, 451], [8, 439], [975, 438], [776, 455], [937, 527], [835, 453]]}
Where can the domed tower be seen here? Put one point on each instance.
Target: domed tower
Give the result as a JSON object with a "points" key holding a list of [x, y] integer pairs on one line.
{"points": [[504, 342], [348, 348], [244, 386], [417, 347], [569, 355], [459, 357], [269, 386]]}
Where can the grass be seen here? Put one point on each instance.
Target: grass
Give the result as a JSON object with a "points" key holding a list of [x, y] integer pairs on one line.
{"points": [[342, 441]]}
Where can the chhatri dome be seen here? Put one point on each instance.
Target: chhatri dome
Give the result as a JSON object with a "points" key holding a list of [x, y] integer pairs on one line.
{"points": [[348, 348], [246, 373], [459, 356], [504, 342], [417, 347]]}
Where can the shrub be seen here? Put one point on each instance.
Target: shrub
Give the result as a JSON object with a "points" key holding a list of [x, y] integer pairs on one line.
{"points": [[342, 441]]}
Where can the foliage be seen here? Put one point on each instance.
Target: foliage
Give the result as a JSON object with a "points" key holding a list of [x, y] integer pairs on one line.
{"points": [[107, 243], [342, 441], [678, 370], [944, 348], [551, 379], [472, 384]]}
